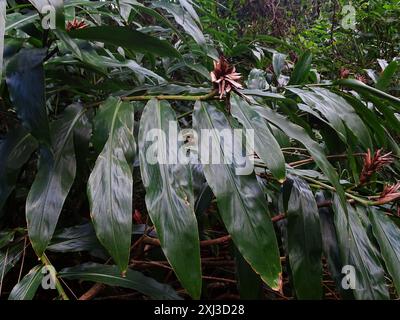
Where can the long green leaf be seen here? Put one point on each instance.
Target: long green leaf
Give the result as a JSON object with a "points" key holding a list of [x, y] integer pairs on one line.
{"points": [[330, 247], [363, 88], [316, 102], [388, 235], [347, 113], [9, 257], [301, 69], [357, 250], [169, 195], [249, 282], [386, 77], [126, 38], [265, 145], [240, 200], [6, 236], [26, 84], [27, 287], [337, 111], [183, 18], [15, 150], [56, 173], [304, 240], [111, 276], [110, 185], [296, 132], [278, 63]]}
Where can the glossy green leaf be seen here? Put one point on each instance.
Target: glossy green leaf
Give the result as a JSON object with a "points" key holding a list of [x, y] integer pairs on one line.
{"points": [[188, 5], [58, 5], [347, 113], [6, 236], [111, 276], [337, 111], [375, 123], [15, 149], [56, 173], [151, 12], [27, 287], [357, 250], [387, 75], [298, 133], [257, 81], [110, 185], [301, 69], [278, 63], [387, 233], [265, 145], [248, 281], [183, 18], [363, 88], [126, 38], [262, 94], [240, 200], [9, 257], [74, 239], [326, 109], [304, 240], [330, 247], [169, 194], [26, 84]]}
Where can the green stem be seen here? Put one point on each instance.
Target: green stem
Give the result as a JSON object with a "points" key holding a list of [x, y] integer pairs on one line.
{"points": [[208, 96], [349, 195], [59, 287]]}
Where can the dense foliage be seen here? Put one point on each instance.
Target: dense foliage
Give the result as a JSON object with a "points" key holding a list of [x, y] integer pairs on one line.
{"points": [[77, 190]]}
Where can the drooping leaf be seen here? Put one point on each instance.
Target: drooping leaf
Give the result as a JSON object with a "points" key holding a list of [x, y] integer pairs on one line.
{"points": [[73, 239], [265, 144], [304, 240], [183, 18], [27, 287], [249, 282], [240, 200], [188, 5], [278, 63], [387, 233], [357, 251], [56, 173], [26, 84], [330, 247], [301, 69], [298, 133], [58, 5], [337, 111], [151, 12], [6, 236], [126, 38], [110, 185], [386, 77], [15, 149], [257, 80], [319, 105], [9, 257], [110, 275], [369, 117], [169, 194], [348, 115], [363, 88]]}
